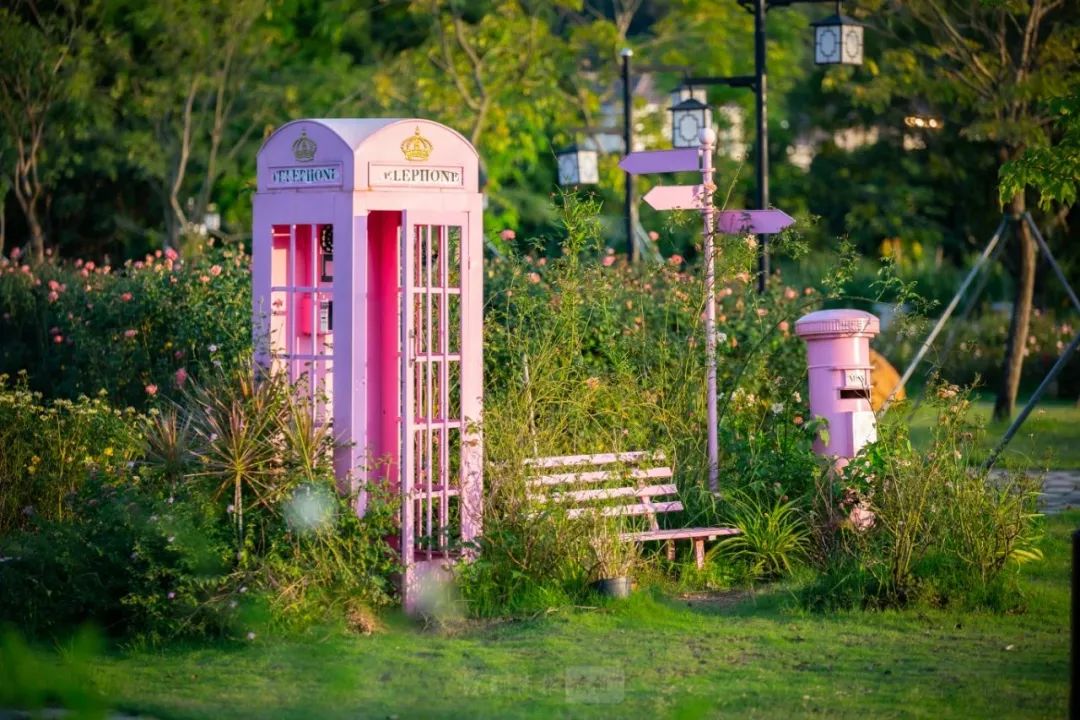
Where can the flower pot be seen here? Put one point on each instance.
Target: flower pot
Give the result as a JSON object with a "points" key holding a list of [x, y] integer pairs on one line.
{"points": [[618, 587]]}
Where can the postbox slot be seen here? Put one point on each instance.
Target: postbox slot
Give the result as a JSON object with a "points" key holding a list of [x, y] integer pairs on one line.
{"points": [[855, 394]]}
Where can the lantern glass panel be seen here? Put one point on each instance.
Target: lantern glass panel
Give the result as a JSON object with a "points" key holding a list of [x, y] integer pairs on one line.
{"points": [[852, 46], [588, 172], [568, 168], [827, 44]]}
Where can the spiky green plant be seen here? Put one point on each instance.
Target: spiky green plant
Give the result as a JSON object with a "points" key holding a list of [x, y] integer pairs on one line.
{"points": [[773, 539], [237, 424]]}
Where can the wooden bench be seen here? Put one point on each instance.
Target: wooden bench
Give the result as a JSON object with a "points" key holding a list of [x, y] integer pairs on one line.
{"points": [[554, 479]]}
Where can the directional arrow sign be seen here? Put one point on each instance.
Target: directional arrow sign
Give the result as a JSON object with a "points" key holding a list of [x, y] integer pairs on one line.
{"points": [[660, 161], [762, 222], [676, 197]]}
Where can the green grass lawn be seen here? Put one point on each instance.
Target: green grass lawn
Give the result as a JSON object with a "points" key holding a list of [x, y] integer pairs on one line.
{"points": [[1049, 438], [649, 656]]}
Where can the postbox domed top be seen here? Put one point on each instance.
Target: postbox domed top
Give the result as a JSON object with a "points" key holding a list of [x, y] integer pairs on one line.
{"points": [[349, 154], [837, 323]]}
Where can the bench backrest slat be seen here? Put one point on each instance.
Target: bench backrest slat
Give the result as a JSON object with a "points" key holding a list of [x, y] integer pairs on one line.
{"points": [[608, 493], [635, 456], [618, 510], [599, 476]]}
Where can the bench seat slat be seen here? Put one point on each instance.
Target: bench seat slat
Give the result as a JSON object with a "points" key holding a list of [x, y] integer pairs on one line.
{"points": [[599, 476], [619, 510], [680, 534], [601, 459], [608, 493]]}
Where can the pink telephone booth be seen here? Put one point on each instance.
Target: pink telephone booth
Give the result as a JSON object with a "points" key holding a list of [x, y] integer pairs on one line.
{"points": [[368, 292]]}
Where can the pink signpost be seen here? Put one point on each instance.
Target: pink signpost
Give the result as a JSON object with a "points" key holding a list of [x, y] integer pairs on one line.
{"points": [[838, 364], [699, 197], [368, 292]]}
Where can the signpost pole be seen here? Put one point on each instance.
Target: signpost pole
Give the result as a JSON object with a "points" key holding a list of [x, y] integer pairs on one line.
{"points": [[628, 140], [762, 137], [700, 197], [708, 139]]}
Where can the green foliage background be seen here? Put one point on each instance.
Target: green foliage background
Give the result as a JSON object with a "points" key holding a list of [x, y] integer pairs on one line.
{"points": [[151, 114]]}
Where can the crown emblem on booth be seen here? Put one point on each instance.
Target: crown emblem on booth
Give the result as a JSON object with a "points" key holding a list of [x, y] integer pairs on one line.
{"points": [[417, 148], [304, 147]]}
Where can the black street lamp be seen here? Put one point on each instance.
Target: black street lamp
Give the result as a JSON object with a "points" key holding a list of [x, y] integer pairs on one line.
{"points": [[837, 40]]}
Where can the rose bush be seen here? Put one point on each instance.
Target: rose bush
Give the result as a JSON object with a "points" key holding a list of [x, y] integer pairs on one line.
{"points": [[135, 331]]}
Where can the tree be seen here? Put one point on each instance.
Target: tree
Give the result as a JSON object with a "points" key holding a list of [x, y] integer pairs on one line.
{"points": [[195, 81], [993, 64], [1054, 170], [498, 75], [38, 71]]}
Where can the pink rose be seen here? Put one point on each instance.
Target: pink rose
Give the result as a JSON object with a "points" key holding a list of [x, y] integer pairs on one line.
{"points": [[608, 260], [508, 234], [790, 293], [151, 389], [180, 377], [675, 260], [58, 339], [215, 270], [130, 333], [534, 278], [126, 297], [171, 254], [653, 235], [861, 518]]}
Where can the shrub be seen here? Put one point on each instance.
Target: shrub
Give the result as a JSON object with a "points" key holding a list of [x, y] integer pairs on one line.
{"points": [[902, 526], [160, 549], [977, 350], [134, 331], [584, 354], [49, 447]]}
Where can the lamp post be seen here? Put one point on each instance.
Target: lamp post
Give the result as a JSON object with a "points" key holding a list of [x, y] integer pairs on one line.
{"points": [[838, 40]]}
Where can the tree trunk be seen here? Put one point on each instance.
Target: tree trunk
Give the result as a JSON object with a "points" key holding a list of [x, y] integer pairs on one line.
{"points": [[29, 205], [1021, 317]]}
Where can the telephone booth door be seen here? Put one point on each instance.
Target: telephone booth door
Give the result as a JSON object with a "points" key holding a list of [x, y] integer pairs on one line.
{"points": [[440, 452]]}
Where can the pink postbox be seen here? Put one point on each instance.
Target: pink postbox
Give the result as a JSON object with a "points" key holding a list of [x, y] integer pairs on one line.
{"points": [[838, 364], [367, 264]]}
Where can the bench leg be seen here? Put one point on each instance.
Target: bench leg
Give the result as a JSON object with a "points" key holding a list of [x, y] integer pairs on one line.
{"points": [[670, 550], [699, 553]]}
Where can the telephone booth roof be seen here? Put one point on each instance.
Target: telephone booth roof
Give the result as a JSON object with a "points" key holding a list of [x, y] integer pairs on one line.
{"points": [[367, 154]]}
